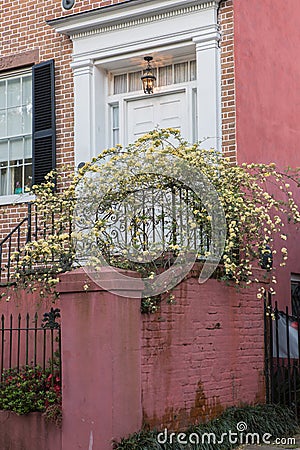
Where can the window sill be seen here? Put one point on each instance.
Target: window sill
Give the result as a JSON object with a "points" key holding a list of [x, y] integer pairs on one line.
{"points": [[16, 199]]}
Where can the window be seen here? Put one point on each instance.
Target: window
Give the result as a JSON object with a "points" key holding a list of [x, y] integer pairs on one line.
{"points": [[295, 294], [27, 128], [15, 133], [115, 125], [172, 74]]}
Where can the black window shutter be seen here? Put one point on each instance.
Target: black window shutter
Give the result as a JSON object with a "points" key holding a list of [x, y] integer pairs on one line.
{"points": [[43, 120]]}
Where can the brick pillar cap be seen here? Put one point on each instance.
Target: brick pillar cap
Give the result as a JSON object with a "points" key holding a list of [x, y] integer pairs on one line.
{"points": [[78, 280]]}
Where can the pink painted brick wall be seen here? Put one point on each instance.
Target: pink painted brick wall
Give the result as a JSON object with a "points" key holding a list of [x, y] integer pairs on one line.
{"points": [[202, 354], [29, 432], [184, 364]]}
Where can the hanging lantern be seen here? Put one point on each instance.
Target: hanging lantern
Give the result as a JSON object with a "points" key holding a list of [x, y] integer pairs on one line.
{"points": [[148, 78]]}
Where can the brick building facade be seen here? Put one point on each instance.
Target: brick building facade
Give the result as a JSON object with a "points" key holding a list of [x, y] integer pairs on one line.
{"points": [[34, 33], [98, 49], [27, 39]]}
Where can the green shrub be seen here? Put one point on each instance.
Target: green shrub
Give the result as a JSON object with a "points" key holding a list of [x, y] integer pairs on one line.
{"points": [[29, 389], [273, 419]]}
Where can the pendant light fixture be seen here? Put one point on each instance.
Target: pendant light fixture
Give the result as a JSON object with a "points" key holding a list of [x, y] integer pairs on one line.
{"points": [[148, 79]]}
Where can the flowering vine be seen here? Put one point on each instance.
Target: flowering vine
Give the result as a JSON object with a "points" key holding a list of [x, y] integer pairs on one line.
{"points": [[257, 200]]}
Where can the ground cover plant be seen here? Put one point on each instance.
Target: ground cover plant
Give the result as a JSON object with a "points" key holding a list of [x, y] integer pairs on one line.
{"points": [[274, 420]]}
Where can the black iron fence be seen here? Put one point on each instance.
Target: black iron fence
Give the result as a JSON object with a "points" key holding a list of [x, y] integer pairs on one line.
{"points": [[155, 221], [166, 217], [282, 356], [31, 341], [36, 225]]}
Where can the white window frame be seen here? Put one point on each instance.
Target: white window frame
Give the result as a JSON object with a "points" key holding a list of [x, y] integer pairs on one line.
{"points": [[22, 197]]}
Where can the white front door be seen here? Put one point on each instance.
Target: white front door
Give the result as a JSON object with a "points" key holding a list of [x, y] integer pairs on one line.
{"points": [[164, 111]]}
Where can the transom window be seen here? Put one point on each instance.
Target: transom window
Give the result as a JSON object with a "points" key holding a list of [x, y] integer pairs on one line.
{"points": [[15, 133], [166, 75]]}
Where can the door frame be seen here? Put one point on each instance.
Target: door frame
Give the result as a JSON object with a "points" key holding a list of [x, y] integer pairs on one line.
{"points": [[189, 88]]}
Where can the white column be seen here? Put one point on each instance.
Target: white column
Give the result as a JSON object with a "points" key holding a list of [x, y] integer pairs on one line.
{"points": [[83, 111], [209, 87]]}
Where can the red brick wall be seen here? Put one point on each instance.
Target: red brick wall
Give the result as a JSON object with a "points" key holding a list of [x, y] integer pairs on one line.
{"points": [[24, 29], [202, 354], [226, 21], [195, 357]]}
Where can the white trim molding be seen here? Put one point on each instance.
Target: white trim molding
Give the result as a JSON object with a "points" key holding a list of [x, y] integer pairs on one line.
{"points": [[118, 36], [126, 15]]}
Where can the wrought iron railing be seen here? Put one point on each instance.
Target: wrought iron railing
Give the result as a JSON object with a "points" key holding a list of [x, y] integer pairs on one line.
{"points": [[10, 244], [36, 225], [282, 356], [31, 342], [150, 221], [154, 219]]}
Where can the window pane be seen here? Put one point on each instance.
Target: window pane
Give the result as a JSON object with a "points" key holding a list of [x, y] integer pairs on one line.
{"points": [[2, 95], [28, 178], [14, 121], [14, 92], [3, 181], [3, 131], [15, 129], [26, 90], [116, 139], [181, 72], [115, 125], [135, 83], [193, 75], [27, 147], [165, 76], [27, 119], [16, 151], [3, 151], [115, 116], [15, 182], [120, 84]]}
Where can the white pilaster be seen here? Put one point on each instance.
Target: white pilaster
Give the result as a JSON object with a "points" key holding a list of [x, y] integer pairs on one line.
{"points": [[84, 114], [209, 86]]}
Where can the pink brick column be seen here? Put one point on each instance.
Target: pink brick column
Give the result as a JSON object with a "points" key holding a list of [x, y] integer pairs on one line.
{"points": [[101, 354]]}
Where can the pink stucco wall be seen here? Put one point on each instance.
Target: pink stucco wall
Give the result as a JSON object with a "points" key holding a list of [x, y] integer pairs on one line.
{"points": [[267, 78], [30, 432], [19, 301], [184, 364], [23, 303], [101, 363], [122, 369]]}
